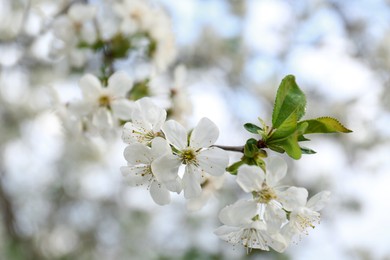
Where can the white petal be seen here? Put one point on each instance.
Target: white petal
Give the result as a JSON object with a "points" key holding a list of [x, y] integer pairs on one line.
{"points": [[122, 108], [152, 114], [275, 217], [165, 169], [88, 33], [135, 131], [133, 175], [276, 170], [138, 154], [63, 28], [278, 242], [293, 198], [318, 201], [127, 133], [204, 134], [213, 161], [288, 231], [175, 134], [196, 204], [159, 193], [241, 212], [90, 86], [120, 83], [160, 147], [81, 12], [102, 119], [250, 178], [191, 182], [228, 233]]}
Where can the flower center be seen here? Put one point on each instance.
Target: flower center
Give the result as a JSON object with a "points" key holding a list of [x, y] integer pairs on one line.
{"points": [[188, 156], [251, 238], [266, 194], [304, 221], [104, 101]]}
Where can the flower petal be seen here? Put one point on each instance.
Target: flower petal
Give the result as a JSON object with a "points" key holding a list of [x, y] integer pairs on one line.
{"points": [[160, 147], [159, 193], [102, 118], [275, 217], [175, 134], [152, 115], [165, 169], [80, 13], [213, 161], [119, 84], [138, 154], [122, 108], [229, 234], [204, 134], [241, 212], [250, 178], [318, 201], [90, 87], [293, 198], [277, 242], [191, 182], [127, 133], [134, 175], [276, 170]]}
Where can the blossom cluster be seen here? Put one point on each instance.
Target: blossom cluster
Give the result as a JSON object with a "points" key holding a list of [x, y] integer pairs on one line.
{"points": [[113, 28], [108, 44], [165, 157], [274, 215]]}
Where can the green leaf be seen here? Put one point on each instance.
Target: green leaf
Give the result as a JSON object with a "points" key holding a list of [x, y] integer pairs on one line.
{"points": [[287, 128], [289, 99], [307, 150], [301, 138], [324, 125], [290, 145], [250, 148], [232, 169], [276, 148], [254, 129], [260, 162]]}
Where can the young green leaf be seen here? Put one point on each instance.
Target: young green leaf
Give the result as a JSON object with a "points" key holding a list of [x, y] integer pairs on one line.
{"points": [[287, 128], [254, 129], [260, 162], [232, 169], [324, 125], [289, 145], [286, 137], [289, 99], [307, 150], [250, 148]]}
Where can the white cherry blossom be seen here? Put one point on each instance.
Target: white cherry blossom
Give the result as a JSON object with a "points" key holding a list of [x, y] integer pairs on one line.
{"points": [[147, 120], [75, 27], [306, 214], [267, 191], [137, 16], [106, 104], [243, 225], [194, 152], [139, 169], [210, 186]]}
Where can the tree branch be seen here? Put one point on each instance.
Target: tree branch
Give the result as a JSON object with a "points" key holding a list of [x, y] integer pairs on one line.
{"points": [[239, 149]]}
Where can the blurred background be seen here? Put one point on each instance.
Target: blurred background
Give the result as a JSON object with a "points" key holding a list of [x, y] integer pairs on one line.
{"points": [[64, 198]]}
